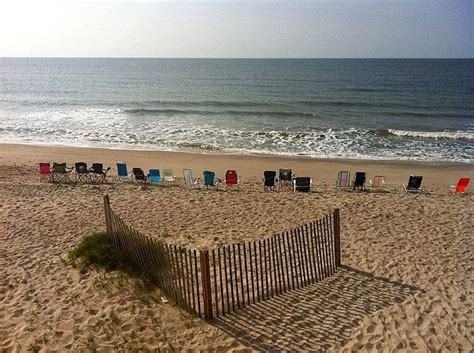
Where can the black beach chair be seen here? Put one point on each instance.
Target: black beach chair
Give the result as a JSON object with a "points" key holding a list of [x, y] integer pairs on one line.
{"points": [[269, 180], [97, 173], [286, 178], [139, 175], [61, 173], [81, 173], [414, 184], [359, 182], [302, 184]]}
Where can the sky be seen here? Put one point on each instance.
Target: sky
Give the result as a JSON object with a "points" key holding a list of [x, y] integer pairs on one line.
{"points": [[238, 29]]}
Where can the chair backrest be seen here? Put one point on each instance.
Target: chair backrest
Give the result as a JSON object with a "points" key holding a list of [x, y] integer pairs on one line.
{"points": [[81, 167], [343, 179], [269, 177], [231, 178], [155, 176], [44, 168], [209, 177], [122, 169], [138, 174], [59, 168], [98, 168], [379, 181], [286, 174], [302, 182], [463, 184], [188, 177], [359, 179], [168, 175], [414, 182]]}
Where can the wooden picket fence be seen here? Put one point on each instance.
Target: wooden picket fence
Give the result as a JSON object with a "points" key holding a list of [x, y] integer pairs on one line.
{"points": [[216, 282]]}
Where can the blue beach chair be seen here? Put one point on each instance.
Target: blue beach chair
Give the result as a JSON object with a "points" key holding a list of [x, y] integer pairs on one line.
{"points": [[154, 176], [122, 173], [209, 179]]}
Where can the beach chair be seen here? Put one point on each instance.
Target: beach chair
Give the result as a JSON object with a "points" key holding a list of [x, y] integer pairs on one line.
{"points": [[81, 172], [378, 182], [270, 180], [168, 175], [209, 180], [139, 175], [122, 172], [462, 185], [414, 184], [97, 173], [45, 172], [231, 179], [302, 184], [154, 176], [359, 181], [286, 178], [61, 173], [189, 180], [343, 179]]}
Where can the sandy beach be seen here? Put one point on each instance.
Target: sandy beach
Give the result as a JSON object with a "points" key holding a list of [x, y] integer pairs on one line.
{"points": [[406, 283]]}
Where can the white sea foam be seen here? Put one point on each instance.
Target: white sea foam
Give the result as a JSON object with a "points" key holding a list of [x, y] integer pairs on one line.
{"points": [[434, 134]]}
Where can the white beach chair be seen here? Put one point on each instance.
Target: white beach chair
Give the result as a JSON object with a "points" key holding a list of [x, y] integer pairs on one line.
{"points": [[168, 175], [189, 180]]}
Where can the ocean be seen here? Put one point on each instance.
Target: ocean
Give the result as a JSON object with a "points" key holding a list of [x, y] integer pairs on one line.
{"points": [[371, 109]]}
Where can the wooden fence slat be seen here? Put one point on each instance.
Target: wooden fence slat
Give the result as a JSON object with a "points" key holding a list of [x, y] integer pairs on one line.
{"points": [[226, 280], [230, 276], [220, 279], [256, 270], [197, 283], [206, 284], [337, 237], [247, 284], [251, 273]]}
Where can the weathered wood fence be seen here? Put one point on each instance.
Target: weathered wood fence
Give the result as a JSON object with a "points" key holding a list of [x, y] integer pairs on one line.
{"points": [[212, 283]]}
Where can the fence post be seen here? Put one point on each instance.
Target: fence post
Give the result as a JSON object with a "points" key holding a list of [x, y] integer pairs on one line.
{"points": [[107, 215], [206, 283], [337, 237]]}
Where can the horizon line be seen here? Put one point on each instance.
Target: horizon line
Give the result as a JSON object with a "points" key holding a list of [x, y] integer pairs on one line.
{"points": [[230, 58]]}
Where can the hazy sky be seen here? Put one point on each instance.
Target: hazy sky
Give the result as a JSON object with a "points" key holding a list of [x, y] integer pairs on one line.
{"points": [[132, 28]]}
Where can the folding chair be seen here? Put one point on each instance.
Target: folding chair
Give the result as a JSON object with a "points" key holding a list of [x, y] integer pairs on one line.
{"points": [[302, 184], [189, 180], [462, 185], [97, 173], [81, 173], [209, 180], [359, 181], [231, 179], [122, 173], [154, 176], [414, 184], [378, 182], [61, 173], [168, 175], [286, 178], [139, 175], [343, 179], [45, 172], [270, 180]]}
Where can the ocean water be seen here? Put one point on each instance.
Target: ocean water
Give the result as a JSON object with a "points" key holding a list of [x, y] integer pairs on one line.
{"points": [[374, 109]]}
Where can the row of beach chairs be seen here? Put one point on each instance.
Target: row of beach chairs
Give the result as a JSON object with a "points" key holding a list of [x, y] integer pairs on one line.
{"points": [[61, 173], [285, 179]]}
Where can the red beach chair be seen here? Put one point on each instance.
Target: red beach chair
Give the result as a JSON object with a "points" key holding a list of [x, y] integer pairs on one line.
{"points": [[45, 172], [231, 179], [462, 185]]}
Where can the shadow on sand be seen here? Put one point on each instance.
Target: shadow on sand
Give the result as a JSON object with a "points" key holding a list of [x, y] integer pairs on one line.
{"points": [[315, 317]]}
